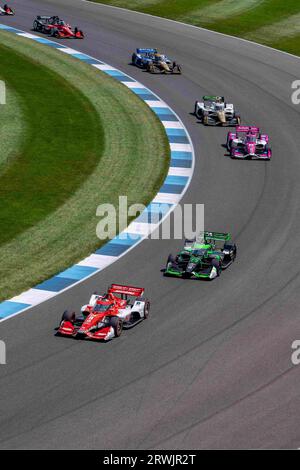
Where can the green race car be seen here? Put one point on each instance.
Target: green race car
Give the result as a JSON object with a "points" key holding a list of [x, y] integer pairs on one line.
{"points": [[203, 257]]}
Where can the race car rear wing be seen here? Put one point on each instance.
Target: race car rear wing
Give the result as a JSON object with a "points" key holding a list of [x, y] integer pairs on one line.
{"points": [[205, 236], [126, 290], [213, 98], [145, 50], [218, 236], [247, 129]]}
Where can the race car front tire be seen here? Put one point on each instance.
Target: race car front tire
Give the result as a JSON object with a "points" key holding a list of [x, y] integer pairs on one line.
{"points": [[117, 325], [68, 316], [170, 259], [216, 264]]}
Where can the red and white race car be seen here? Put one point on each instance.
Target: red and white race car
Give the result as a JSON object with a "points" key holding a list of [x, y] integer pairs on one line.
{"points": [[105, 316], [6, 10], [64, 30]]}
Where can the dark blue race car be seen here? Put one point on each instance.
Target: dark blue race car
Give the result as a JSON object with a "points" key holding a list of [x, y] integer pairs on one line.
{"points": [[142, 57], [153, 62]]}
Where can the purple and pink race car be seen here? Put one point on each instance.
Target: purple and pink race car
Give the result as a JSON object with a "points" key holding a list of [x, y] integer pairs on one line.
{"points": [[248, 143]]}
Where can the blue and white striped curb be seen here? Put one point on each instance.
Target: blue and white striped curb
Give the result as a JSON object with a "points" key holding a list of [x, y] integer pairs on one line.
{"points": [[176, 183]]}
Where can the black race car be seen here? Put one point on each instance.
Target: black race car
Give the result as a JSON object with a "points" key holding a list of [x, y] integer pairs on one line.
{"points": [[44, 24]]}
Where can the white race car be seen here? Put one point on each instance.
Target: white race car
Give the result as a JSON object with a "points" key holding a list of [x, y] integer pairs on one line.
{"points": [[213, 111]]}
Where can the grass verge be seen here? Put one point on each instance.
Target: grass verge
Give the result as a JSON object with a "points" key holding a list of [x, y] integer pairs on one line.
{"points": [[132, 163], [63, 144], [12, 127], [245, 18]]}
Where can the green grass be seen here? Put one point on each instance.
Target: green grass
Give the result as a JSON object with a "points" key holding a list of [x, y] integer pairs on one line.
{"points": [[291, 45], [131, 163], [64, 143], [237, 18], [12, 128]]}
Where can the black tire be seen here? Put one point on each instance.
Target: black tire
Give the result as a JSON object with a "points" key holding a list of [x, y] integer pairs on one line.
{"points": [[117, 325], [68, 316], [195, 108], [230, 259], [198, 113], [216, 264], [234, 251], [238, 120], [179, 69], [146, 309], [186, 275], [35, 26], [170, 259], [133, 59]]}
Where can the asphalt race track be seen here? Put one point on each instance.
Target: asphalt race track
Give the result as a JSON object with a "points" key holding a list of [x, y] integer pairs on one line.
{"points": [[211, 368]]}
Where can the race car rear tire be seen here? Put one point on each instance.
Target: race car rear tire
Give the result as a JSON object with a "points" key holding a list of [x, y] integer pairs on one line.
{"points": [[238, 120], [146, 309], [117, 325], [231, 246], [35, 26]]}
